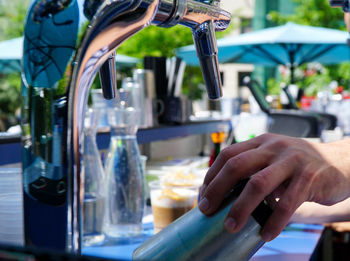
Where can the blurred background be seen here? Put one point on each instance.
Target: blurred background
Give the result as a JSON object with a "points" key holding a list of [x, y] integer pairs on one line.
{"points": [[284, 67], [248, 15]]}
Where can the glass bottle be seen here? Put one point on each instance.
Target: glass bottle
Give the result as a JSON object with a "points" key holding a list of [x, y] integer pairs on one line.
{"points": [[94, 183], [135, 98], [125, 183]]}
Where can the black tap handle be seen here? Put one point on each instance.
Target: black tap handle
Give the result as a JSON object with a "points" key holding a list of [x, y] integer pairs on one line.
{"points": [[341, 3], [336, 3], [108, 78], [207, 52]]}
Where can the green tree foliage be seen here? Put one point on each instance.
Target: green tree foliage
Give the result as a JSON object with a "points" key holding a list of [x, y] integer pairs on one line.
{"points": [[153, 41], [9, 100], [12, 16], [314, 13], [157, 41], [317, 13]]}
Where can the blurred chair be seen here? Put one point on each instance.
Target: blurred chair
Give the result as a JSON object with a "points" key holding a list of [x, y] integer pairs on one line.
{"points": [[295, 123], [328, 121]]}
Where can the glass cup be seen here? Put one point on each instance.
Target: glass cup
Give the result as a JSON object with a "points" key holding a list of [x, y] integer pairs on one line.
{"points": [[95, 193], [169, 202], [125, 181]]}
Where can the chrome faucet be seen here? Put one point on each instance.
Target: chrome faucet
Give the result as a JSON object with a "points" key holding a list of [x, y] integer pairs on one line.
{"points": [[66, 42]]}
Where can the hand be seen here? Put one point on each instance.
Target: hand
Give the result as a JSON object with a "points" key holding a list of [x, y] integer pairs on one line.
{"points": [[288, 169]]}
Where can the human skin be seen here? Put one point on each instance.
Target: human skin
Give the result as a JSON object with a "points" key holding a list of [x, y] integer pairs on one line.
{"points": [[290, 169], [314, 213], [310, 212], [347, 20]]}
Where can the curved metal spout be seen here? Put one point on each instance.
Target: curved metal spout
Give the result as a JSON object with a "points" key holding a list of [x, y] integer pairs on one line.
{"points": [[63, 51], [107, 32]]}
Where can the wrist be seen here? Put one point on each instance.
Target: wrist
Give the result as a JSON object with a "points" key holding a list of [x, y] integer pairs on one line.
{"points": [[337, 155]]}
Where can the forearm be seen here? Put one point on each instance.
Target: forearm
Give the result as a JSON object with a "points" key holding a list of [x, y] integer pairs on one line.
{"points": [[292, 170], [338, 155], [313, 213]]}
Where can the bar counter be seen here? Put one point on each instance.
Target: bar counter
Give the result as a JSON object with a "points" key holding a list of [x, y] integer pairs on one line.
{"points": [[296, 242]]}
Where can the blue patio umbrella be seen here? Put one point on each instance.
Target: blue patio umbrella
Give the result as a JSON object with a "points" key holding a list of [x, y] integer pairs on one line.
{"points": [[11, 56], [291, 45]]}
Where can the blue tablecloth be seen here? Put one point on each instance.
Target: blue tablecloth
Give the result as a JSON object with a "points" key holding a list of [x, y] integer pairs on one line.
{"points": [[296, 242]]}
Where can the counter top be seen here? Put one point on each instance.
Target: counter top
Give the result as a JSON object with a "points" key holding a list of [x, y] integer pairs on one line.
{"points": [[296, 242]]}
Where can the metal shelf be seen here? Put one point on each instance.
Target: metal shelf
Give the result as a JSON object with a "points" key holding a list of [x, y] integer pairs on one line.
{"points": [[10, 148], [167, 132]]}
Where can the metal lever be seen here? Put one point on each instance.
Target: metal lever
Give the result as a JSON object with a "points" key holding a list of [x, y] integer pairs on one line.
{"points": [[108, 78], [341, 3], [206, 47], [336, 3]]}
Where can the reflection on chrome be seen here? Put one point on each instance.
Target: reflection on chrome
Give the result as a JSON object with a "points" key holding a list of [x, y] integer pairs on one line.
{"points": [[66, 42]]}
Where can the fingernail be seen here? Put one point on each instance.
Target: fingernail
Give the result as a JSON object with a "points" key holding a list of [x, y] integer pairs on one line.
{"points": [[230, 224], [204, 204], [266, 237]]}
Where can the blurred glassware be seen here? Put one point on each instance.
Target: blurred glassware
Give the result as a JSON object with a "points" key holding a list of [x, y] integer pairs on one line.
{"points": [[230, 107], [146, 81], [143, 160], [337, 106], [101, 104], [248, 125], [171, 198], [125, 181], [331, 135], [11, 207], [95, 195], [132, 95]]}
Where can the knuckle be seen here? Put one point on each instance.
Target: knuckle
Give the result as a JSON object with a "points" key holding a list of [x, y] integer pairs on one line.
{"points": [[295, 156], [282, 144], [225, 154], [258, 183], [265, 137], [239, 214], [233, 163], [285, 207], [213, 192]]}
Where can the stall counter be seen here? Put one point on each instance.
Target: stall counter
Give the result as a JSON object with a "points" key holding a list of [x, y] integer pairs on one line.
{"points": [[296, 242]]}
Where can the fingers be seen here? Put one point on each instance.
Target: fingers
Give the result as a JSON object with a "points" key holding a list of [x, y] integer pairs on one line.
{"points": [[226, 155], [280, 217], [236, 168], [259, 186], [284, 209]]}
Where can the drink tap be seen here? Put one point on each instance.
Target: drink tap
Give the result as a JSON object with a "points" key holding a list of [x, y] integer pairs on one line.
{"points": [[344, 4], [66, 42]]}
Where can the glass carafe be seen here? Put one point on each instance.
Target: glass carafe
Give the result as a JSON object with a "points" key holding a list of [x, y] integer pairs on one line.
{"points": [[94, 183], [125, 183]]}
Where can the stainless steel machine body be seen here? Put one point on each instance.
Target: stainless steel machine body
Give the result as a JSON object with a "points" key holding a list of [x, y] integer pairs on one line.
{"points": [[66, 42]]}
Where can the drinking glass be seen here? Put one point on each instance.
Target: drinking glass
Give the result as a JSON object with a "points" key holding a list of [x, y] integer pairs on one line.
{"points": [[125, 181]]}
